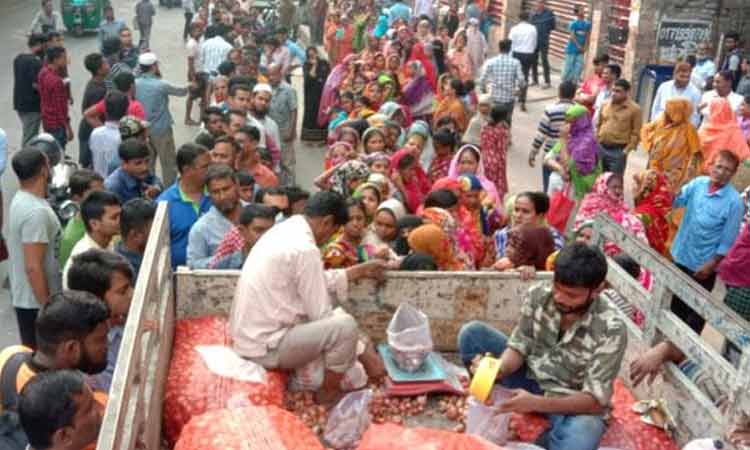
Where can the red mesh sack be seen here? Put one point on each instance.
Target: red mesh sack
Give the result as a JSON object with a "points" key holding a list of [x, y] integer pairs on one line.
{"points": [[625, 430], [394, 437], [251, 427], [192, 389]]}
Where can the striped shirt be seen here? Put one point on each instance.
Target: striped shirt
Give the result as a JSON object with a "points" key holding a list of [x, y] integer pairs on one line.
{"points": [[548, 131], [500, 75], [212, 53]]}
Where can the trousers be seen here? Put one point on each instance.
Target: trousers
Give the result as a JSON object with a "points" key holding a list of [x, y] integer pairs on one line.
{"points": [[573, 67], [333, 338], [288, 163], [26, 319], [526, 60], [541, 56], [580, 432], [614, 158], [163, 144], [30, 122]]}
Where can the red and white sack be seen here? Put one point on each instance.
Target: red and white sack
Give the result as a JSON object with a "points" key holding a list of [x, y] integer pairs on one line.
{"points": [[396, 437], [252, 427], [193, 389]]}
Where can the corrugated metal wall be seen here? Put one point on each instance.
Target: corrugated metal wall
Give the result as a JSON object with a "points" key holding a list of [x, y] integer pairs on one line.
{"points": [[563, 10], [495, 9]]}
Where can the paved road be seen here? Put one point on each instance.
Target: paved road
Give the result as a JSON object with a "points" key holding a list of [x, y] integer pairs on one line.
{"points": [[166, 42]]}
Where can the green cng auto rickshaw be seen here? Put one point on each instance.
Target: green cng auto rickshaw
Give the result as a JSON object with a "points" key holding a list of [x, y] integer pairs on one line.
{"points": [[82, 16]]}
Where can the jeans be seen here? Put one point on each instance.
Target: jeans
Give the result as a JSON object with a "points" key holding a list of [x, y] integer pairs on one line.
{"points": [[613, 158], [60, 135], [573, 67], [580, 432], [526, 60], [542, 53], [30, 122], [546, 171]]}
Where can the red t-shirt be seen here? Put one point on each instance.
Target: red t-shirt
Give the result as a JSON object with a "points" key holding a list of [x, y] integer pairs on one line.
{"points": [[135, 108]]}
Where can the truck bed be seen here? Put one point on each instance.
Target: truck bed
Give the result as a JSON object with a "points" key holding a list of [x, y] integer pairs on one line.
{"points": [[133, 414]]}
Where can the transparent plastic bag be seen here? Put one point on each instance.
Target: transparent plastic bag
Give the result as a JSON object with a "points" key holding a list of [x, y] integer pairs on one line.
{"points": [[348, 420], [409, 338], [486, 421]]}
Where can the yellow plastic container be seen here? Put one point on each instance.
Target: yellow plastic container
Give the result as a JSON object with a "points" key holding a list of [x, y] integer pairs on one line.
{"points": [[484, 378]]}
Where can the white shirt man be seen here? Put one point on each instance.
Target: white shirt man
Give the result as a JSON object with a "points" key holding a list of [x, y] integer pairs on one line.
{"points": [[213, 52], [524, 37], [669, 90]]}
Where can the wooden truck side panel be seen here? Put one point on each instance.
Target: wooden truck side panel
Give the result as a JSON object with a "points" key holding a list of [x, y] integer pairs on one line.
{"points": [[450, 299]]}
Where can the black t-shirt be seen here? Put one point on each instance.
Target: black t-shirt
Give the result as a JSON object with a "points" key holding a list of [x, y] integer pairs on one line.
{"points": [[93, 93], [26, 69]]}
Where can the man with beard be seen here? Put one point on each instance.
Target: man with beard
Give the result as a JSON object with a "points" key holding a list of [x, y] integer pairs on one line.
{"points": [[563, 356], [33, 239], [209, 230], [71, 334], [258, 116]]}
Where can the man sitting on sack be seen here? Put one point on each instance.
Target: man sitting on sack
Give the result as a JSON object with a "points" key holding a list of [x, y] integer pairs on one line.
{"points": [[283, 314]]}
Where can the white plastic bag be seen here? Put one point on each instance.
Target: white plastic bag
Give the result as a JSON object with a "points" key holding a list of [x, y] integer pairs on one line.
{"points": [[348, 420], [223, 361], [409, 338], [486, 421]]}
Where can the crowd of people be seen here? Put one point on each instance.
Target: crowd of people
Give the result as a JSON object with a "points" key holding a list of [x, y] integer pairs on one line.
{"points": [[416, 118]]}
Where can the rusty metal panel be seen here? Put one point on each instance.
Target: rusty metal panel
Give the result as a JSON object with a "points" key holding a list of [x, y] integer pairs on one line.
{"points": [[563, 10]]}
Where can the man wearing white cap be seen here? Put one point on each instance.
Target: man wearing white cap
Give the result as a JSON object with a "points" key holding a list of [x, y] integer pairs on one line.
{"points": [[153, 93], [258, 116]]}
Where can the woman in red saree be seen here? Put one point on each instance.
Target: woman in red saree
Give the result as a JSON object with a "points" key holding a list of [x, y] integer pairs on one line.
{"points": [[653, 203]]}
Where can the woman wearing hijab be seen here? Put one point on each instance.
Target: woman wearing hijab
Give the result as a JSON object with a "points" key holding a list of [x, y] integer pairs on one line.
{"points": [[476, 44], [494, 139], [383, 231], [461, 242], [410, 179], [450, 105], [574, 157], [315, 71], [348, 176], [458, 57], [607, 197], [653, 203], [476, 220], [672, 144], [332, 85], [432, 240], [419, 93], [468, 160], [720, 131], [418, 53], [528, 246], [473, 134]]}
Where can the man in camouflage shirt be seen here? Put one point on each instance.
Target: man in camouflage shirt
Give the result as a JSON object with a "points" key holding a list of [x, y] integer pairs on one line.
{"points": [[563, 356]]}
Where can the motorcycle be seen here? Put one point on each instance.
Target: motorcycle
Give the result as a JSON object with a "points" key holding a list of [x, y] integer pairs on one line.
{"points": [[61, 168]]}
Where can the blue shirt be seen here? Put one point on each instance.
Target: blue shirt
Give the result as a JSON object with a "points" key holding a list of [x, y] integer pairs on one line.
{"points": [[109, 30], [126, 187], [205, 237], [135, 259], [182, 215], [710, 224], [544, 23], [581, 29], [153, 93], [296, 51]]}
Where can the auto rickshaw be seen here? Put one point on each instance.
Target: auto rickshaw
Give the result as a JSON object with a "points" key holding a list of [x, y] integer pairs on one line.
{"points": [[81, 16]]}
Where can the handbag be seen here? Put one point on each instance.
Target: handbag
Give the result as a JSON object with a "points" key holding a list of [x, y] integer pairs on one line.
{"points": [[561, 205]]}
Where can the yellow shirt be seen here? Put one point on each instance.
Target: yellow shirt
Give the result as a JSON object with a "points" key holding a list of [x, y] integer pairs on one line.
{"points": [[619, 124]]}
